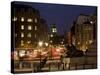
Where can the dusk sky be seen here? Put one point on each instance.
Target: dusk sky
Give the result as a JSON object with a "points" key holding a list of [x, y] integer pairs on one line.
{"points": [[62, 15]]}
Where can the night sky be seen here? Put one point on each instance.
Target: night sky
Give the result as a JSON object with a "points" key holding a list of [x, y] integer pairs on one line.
{"points": [[62, 15]]}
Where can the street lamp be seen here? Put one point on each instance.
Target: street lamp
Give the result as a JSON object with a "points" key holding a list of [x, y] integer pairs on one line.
{"points": [[46, 44], [40, 44], [91, 22]]}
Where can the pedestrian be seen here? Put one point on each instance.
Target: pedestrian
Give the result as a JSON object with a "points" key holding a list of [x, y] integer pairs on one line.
{"points": [[66, 62]]}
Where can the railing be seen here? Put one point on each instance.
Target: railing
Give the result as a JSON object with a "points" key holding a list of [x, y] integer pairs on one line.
{"points": [[49, 65]]}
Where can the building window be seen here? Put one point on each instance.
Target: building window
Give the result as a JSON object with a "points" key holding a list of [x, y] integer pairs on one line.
{"points": [[29, 27], [35, 20], [14, 19], [29, 20], [78, 43], [22, 19], [54, 30], [22, 43], [29, 35], [22, 27], [28, 42], [35, 27], [22, 34]]}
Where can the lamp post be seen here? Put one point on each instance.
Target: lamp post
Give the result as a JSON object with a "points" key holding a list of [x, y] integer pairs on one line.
{"points": [[51, 49], [46, 44], [40, 45]]}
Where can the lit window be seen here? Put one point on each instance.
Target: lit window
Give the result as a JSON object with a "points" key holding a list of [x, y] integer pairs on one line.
{"points": [[29, 27], [28, 42], [35, 20], [22, 27], [29, 20], [54, 30], [78, 43], [14, 19], [22, 34], [22, 42], [90, 41], [35, 27], [22, 19], [22, 53], [29, 35]]}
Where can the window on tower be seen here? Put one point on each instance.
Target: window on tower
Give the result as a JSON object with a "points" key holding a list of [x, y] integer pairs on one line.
{"points": [[54, 30], [51, 35]]}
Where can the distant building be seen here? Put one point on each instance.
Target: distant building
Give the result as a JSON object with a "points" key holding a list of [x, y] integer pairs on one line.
{"points": [[54, 29], [69, 38], [44, 31], [53, 34], [94, 23], [83, 32], [27, 26], [54, 37]]}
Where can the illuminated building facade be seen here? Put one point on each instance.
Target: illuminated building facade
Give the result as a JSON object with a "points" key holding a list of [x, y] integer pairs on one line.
{"points": [[27, 26], [84, 32]]}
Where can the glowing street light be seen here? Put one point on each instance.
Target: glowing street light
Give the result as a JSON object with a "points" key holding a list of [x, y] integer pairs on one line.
{"points": [[46, 44], [22, 53], [91, 22], [58, 50], [51, 35], [40, 43]]}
